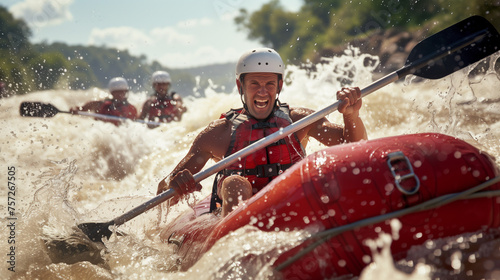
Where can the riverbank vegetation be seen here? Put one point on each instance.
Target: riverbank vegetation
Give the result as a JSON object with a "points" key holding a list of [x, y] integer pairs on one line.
{"points": [[318, 28]]}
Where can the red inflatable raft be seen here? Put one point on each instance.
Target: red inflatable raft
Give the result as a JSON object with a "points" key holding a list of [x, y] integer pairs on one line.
{"points": [[348, 183]]}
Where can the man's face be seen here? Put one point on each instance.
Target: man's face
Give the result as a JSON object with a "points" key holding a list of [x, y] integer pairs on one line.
{"points": [[161, 88], [120, 95], [259, 93]]}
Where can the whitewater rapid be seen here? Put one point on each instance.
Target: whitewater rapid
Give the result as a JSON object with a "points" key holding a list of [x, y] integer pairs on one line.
{"points": [[73, 169]]}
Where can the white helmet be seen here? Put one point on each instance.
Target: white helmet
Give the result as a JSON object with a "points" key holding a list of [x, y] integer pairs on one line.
{"points": [[260, 60], [161, 77], [117, 83]]}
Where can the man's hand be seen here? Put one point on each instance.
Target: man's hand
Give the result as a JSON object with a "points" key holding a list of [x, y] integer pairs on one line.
{"points": [[183, 183], [350, 100], [75, 110]]}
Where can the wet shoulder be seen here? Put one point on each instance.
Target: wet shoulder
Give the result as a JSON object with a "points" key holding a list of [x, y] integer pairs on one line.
{"points": [[219, 126], [215, 138]]}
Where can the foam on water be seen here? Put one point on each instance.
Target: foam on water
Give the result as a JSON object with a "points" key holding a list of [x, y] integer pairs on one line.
{"points": [[74, 169]]}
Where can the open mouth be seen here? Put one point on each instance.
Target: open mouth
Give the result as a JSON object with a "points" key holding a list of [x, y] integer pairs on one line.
{"points": [[260, 104]]}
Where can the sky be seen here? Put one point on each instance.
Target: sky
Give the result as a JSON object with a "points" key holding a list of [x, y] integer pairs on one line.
{"points": [[178, 34]]}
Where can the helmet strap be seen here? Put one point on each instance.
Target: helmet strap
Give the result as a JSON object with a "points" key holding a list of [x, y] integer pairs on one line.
{"points": [[243, 101]]}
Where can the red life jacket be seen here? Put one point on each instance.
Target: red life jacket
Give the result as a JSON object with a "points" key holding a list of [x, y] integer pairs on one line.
{"points": [[118, 109], [264, 165], [163, 109]]}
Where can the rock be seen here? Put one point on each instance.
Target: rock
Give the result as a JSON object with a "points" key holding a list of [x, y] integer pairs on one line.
{"points": [[391, 46]]}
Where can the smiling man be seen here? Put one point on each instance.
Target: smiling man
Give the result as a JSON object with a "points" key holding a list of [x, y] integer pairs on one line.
{"points": [[117, 106], [259, 78], [163, 106]]}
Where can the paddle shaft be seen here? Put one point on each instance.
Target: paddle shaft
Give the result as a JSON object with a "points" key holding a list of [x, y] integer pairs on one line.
{"points": [[109, 117], [47, 110], [143, 207]]}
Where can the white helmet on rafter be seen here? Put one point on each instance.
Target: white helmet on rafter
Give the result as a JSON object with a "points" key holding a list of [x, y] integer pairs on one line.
{"points": [[260, 60], [161, 77], [118, 83]]}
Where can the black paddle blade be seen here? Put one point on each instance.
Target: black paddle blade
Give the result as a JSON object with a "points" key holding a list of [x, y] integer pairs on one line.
{"points": [[37, 109], [96, 231], [452, 49]]}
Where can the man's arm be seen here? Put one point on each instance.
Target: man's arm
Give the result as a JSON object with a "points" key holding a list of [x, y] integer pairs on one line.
{"points": [[132, 114], [211, 143], [194, 161], [324, 131], [145, 110], [329, 133], [180, 106], [92, 106], [354, 128]]}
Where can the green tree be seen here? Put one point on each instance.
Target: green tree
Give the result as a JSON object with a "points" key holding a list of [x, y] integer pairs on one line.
{"points": [[306, 37], [322, 9], [48, 68], [14, 33], [18, 77], [15, 51], [324, 24], [271, 25], [79, 75]]}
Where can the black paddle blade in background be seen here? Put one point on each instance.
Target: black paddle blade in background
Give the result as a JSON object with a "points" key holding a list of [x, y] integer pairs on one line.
{"points": [[37, 109], [453, 48]]}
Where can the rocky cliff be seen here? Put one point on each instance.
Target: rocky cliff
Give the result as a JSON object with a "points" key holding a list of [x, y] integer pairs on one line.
{"points": [[393, 46]]}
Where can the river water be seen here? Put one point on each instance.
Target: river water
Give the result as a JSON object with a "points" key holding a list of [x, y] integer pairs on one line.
{"points": [[73, 169]]}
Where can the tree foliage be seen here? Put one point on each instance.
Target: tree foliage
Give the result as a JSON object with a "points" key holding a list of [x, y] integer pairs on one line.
{"points": [[25, 67], [298, 36], [14, 52], [14, 33], [47, 69], [327, 23]]}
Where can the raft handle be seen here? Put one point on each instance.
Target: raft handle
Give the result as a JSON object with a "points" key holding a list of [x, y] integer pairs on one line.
{"points": [[175, 240], [398, 178]]}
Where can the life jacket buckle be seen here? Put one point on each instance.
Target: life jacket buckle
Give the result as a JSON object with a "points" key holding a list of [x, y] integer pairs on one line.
{"points": [[268, 170]]}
